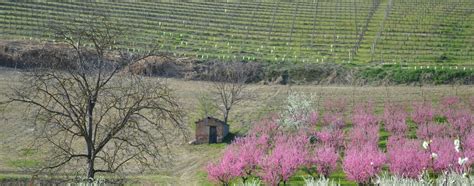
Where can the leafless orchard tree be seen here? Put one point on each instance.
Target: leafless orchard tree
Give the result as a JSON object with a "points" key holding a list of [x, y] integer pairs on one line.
{"points": [[229, 83], [89, 111]]}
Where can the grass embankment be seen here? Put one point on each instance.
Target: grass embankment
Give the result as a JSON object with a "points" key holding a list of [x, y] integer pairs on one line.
{"points": [[17, 54]]}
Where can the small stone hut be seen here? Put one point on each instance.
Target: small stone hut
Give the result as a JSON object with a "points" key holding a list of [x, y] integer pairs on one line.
{"points": [[210, 130]]}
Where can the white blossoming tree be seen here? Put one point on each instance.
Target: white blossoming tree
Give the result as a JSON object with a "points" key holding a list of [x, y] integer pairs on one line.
{"points": [[298, 111]]}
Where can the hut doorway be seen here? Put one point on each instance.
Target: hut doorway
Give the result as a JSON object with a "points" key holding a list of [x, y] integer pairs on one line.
{"points": [[210, 130], [212, 134]]}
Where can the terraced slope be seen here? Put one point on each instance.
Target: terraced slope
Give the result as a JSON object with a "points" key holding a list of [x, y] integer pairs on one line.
{"points": [[422, 32]]}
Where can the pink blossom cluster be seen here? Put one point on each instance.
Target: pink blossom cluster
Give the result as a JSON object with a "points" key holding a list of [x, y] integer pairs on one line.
{"points": [[250, 149], [334, 113], [363, 160], [333, 119], [458, 116], [267, 126], [325, 160], [362, 136], [242, 157], [450, 101], [325, 152], [394, 118], [267, 152], [440, 146], [461, 123], [431, 130], [407, 158], [313, 119], [330, 137], [468, 150], [423, 113], [226, 169], [444, 156], [410, 157], [362, 165], [363, 116], [444, 142], [288, 154]]}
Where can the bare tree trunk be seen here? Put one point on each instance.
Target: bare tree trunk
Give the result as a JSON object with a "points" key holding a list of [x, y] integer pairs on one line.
{"points": [[89, 140], [90, 168], [226, 116]]}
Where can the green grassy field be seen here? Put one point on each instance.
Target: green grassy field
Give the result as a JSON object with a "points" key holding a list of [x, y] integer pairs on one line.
{"points": [[187, 168], [363, 32]]}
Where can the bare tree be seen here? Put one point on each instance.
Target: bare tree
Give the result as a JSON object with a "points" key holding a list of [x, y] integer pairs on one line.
{"points": [[229, 81], [205, 106], [91, 113]]}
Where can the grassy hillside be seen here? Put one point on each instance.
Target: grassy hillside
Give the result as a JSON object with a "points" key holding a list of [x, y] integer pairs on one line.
{"points": [[423, 32]]}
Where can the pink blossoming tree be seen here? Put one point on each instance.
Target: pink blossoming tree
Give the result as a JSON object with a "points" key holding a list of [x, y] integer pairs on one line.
{"points": [[394, 119], [226, 169], [325, 159], [330, 137], [362, 165], [287, 156], [407, 159], [423, 113], [249, 151]]}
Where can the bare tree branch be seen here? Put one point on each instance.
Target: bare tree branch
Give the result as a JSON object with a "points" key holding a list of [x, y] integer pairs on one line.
{"points": [[229, 83], [80, 100]]}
